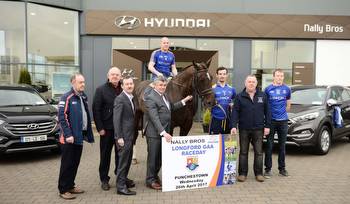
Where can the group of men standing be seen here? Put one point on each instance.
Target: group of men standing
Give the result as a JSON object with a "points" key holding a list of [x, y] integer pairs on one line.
{"points": [[258, 114], [114, 111]]}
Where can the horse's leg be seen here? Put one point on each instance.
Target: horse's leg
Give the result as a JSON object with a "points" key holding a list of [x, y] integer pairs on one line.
{"points": [[171, 130], [185, 129]]}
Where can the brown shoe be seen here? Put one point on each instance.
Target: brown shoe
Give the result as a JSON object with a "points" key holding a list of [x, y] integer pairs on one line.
{"points": [[67, 196], [76, 190], [241, 178], [154, 185], [260, 178]]}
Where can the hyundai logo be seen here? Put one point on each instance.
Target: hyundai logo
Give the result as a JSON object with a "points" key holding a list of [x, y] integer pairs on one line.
{"points": [[33, 126], [127, 22]]}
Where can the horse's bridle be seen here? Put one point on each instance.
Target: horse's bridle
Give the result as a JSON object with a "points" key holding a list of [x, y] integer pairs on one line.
{"points": [[204, 92]]}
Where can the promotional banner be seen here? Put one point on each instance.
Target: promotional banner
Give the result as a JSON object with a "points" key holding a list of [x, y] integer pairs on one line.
{"points": [[198, 161]]}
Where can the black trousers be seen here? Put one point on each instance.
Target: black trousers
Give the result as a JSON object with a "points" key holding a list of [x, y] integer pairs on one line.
{"points": [[245, 138], [219, 126], [107, 142], [125, 157], [70, 160], [154, 159]]}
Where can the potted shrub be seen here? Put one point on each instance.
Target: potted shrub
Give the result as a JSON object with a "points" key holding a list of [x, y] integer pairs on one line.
{"points": [[206, 120], [24, 77]]}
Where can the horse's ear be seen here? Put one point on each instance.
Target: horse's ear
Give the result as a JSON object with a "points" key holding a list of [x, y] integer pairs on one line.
{"points": [[195, 64], [208, 63]]}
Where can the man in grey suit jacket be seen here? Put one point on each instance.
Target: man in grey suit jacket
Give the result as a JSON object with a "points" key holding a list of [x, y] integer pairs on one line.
{"points": [[157, 125], [124, 126]]}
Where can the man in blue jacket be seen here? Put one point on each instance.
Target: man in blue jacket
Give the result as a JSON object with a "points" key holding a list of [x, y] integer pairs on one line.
{"points": [[75, 125], [252, 114]]}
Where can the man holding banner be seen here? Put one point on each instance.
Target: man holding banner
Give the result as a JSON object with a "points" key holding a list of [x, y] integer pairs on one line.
{"points": [[157, 125], [252, 113]]}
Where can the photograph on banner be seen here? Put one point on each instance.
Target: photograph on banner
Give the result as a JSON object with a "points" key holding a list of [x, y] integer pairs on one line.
{"points": [[198, 161]]}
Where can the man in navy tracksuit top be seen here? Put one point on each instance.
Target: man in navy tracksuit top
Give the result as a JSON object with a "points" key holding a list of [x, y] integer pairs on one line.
{"points": [[75, 125], [252, 114]]}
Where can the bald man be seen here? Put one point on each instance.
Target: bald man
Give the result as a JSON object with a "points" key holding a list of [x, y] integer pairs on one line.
{"points": [[162, 61], [102, 107]]}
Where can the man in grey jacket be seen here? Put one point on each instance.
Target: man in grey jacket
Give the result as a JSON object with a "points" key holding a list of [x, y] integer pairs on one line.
{"points": [[124, 129], [157, 125]]}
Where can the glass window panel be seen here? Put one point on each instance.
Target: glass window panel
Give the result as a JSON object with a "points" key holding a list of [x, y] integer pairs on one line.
{"points": [[9, 73], [294, 51], [224, 48], [264, 54], [175, 43], [12, 32], [52, 80], [53, 35], [130, 43], [265, 78]]}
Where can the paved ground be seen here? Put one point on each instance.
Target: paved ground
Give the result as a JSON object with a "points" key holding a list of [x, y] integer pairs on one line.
{"points": [[32, 178]]}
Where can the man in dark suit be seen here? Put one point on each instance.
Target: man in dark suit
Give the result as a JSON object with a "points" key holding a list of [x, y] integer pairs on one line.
{"points": [[157, 125], [124, 126]]}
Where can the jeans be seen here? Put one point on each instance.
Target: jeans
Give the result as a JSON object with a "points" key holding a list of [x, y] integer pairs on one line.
{"points": [[245, 138], [281, 127]]}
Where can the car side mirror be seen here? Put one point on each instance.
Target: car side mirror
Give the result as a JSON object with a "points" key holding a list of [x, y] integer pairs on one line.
{"points": [[332, 102]]}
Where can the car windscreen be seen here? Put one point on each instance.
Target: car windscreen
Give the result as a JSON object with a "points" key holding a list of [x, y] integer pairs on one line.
{"points": [[312, 96], [11, 97]]}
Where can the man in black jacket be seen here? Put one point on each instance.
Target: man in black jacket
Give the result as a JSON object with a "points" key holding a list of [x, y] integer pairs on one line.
{"points": [[252, 114], [103, 115]]}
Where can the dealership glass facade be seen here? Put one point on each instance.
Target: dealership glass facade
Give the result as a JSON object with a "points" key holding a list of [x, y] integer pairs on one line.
{"points": [[268, 55], [42, 39]]}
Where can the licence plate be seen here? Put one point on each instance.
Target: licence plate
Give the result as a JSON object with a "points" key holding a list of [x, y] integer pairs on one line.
{"points": [[34, 138]]}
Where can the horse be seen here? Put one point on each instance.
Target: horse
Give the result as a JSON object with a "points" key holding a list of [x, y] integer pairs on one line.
{"points": [[193, 80]]}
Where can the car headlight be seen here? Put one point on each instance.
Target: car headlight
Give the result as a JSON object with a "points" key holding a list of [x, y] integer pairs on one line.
{"points": [[1, 122], [306, 117]]}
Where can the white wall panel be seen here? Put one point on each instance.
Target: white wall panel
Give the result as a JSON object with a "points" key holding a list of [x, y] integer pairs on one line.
{"points": [[333, 62]]}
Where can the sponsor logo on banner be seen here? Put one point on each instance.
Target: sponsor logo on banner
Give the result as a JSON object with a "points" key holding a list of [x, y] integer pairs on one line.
{"points": [[192, 163]]}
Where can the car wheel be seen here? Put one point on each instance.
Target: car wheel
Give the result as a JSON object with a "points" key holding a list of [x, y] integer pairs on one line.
{"points": [[323, 141]]}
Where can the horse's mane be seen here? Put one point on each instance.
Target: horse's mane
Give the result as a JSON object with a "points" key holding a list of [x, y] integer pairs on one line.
{"points": [[183, 72]]}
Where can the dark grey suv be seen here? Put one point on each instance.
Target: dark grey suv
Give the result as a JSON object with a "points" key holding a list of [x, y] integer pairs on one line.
{"points": [[311, 117], [27, 121]]}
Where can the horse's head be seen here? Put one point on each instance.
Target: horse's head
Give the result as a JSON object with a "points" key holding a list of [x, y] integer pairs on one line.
{"points": [[203, 83]]}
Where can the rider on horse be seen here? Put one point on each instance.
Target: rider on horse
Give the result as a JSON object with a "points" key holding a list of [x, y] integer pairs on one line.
{"points": [[162, 61]]}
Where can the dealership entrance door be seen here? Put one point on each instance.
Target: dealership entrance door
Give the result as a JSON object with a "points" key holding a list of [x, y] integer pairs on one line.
{"points": [[138, 60]]}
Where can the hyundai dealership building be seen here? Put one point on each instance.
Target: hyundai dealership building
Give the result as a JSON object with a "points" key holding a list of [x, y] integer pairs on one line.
{"points": [[309, 40]]}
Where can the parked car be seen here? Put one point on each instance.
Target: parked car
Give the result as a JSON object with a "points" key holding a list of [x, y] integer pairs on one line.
{"points": [[27, 121], [311, 118]]}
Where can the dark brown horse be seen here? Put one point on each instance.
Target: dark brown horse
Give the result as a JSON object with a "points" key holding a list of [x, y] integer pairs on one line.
{"points": [[193, 80]]}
